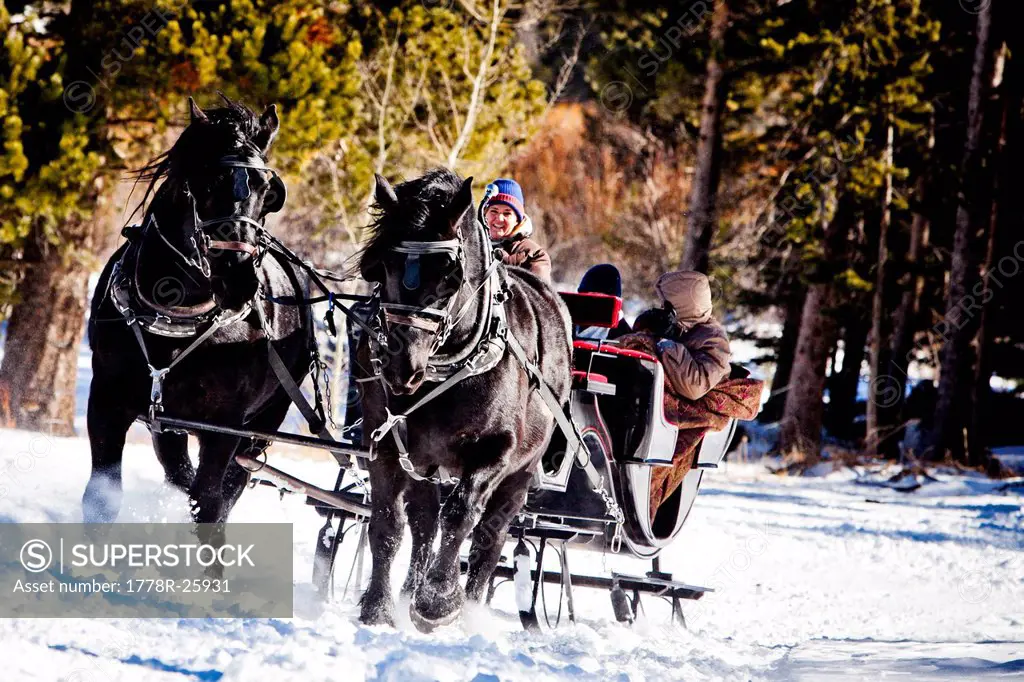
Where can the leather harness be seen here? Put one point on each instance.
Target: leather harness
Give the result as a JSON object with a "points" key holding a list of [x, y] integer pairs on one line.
{"points": [[491, 337], [489, 340]]}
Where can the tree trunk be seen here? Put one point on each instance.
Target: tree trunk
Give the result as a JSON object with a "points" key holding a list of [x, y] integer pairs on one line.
{"points": [[972, 217], [702, 211], [982, 373], [40, 364], [1005, 222], [878, 397], [912, 284], [785, 354], [802, 417], [842, 391]]}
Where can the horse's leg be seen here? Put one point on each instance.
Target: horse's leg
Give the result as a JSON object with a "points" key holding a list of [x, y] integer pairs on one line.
{"points": [[237, 477], [489, 535], [209, 506], [207, 492], [421, 504], [172, 451], [440, 597], [108, 420], [387, 522]]}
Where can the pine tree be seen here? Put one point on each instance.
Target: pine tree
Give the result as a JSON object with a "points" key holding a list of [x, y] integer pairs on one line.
{"points": [[860, 79], [89, 88]]}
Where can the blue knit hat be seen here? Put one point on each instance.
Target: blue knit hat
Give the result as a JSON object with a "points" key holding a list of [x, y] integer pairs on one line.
{"points": [[510, 194]]}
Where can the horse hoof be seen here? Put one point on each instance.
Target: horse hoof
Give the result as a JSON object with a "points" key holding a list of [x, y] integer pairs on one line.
{"points": [[376, 611], [377, 617], [427, 625]]}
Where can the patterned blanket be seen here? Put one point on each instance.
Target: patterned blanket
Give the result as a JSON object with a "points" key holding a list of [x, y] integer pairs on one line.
{"points": [[730, 399]]}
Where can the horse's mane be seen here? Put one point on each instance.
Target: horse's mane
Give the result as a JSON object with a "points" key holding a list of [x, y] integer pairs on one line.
{"points": [[421, 207], [231, 130]]}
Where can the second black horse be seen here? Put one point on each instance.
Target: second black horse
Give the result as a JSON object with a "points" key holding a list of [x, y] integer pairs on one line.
{"points": [[445, 303]]}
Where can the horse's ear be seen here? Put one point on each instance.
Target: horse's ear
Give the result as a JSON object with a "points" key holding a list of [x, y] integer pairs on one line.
{"points": [[384, 193], [462, 202], [269, 125], [195, 113]]}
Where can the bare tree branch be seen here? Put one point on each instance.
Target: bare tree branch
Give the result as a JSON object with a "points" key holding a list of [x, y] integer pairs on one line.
{"points": [[478, 82]]}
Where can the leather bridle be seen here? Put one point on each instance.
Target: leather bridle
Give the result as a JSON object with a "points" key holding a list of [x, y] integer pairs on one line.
{"points": [[434, 320], [201, 227], [240, 163]]}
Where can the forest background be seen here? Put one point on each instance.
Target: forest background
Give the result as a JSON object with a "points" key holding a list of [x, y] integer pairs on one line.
{"points": [[842, 170]]}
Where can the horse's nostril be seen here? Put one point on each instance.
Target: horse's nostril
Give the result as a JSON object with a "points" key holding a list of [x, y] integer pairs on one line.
{"points": [[416, 379]]}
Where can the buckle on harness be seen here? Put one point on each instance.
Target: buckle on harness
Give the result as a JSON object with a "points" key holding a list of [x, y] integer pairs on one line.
{"points": [[156, 396], [156, 391], [390, 421]]}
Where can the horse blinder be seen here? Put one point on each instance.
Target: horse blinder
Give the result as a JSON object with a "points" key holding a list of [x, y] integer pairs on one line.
{"points": [[425, 317]]}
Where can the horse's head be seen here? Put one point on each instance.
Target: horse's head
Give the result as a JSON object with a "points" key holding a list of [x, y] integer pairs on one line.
{"points": [[417, 256], [217, 191]]}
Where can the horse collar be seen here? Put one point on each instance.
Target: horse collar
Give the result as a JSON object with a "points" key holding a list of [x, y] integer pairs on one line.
{"points": [[168, 321]]}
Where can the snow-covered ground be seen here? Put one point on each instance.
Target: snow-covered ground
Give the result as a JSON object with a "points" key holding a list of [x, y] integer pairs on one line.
{"points": [[815, 578]]}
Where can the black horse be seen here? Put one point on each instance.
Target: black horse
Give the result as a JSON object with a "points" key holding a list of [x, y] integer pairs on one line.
{"points": [[183, 290], [441, 307]]}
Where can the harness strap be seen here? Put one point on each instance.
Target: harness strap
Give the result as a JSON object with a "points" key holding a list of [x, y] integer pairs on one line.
{"points": [[299, 301], [317, 424], [472, 297], [313, 416], [156, 391], [243, 247], [574, 443], [229, 219], [392, 421], [290, 255], [332, 299], [410, 321], [315, 275], [217, 324]]}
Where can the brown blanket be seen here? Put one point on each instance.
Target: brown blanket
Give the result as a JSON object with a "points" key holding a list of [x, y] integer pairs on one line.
{"points": [[729, 399]]}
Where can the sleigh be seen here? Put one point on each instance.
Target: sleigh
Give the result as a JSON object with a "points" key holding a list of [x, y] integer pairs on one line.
{"points": [[596, 499], [600, 499]]}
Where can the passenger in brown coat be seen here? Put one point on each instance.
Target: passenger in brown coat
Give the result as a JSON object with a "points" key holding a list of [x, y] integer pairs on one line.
{"points": [[695, 349], [511, 229]]}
